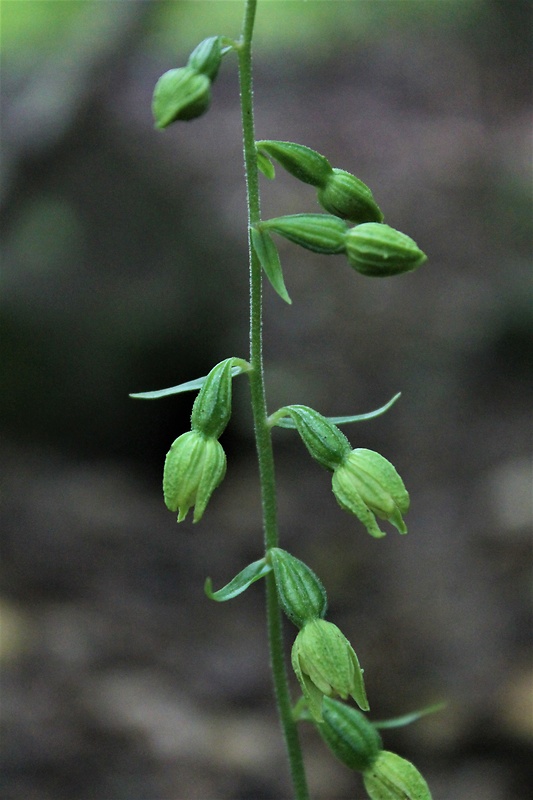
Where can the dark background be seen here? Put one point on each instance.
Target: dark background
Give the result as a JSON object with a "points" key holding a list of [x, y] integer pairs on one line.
{"points": [[125, 269]]}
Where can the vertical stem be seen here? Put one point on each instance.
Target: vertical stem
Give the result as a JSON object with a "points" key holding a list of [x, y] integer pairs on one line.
{"points": [[262, 431]]}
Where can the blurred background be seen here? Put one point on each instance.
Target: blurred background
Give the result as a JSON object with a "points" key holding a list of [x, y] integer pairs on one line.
{"points": [[124, 269]]}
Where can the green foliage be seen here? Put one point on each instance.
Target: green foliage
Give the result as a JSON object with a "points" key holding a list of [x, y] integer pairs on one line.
{"points": [[364, 483]]}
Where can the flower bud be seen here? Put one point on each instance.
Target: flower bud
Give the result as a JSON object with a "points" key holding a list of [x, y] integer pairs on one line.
{"points": [[300, 592], [195, 465], [325, 664], [349, 734], [305, 164], [321, 233], [325, 442], [391, 777], [180, 94], [346, 196], [212, 408], [206, 57], [367, 485], [377, 250]]}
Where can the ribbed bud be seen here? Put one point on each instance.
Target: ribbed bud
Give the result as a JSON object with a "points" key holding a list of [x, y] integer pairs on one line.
{"points": [[300, 592], [379, 251], [326, 665], [325, 442], [346, 196], [212, 408], [349, 734], [367, 485], [305, 164], [320, 233], [195, 465], [391, 777], [206, 57], [180, 94]]}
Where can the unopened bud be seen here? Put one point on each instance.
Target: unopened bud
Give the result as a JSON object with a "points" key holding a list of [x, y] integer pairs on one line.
{"points": [[348, 197], [367, 485], [300, 592], [321, 233], [391, 777], [378, 250], [325, 664], [349, 734], [180, 94], [195, 465]]}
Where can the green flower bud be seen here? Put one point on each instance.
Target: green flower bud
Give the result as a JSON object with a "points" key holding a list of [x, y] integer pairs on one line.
{"points": [[300, 592], [180, 94], [367, 485], [325, 664], [195, 465], [212, 408], [207, 57], [305, 164], [320, 233], [349, 734], [346, 196], [377, 250], [391, 777], [325, 442]]}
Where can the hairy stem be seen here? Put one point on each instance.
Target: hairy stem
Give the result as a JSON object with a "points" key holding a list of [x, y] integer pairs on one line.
{"points": [[262, 429]]}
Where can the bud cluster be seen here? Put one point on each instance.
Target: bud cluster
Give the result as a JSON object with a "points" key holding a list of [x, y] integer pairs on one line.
{"points": [[185, 93]]}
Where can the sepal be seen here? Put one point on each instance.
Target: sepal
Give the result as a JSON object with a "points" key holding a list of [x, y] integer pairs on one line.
{"points": [[349, 198], [194, 466], [378, 250], [349, 734], [391, 777], [325, 663], [180, 94], [367, 485], [300, 592]]}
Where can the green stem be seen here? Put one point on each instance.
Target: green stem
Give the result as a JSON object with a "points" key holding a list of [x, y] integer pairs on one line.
{"points": [[262, 430]]}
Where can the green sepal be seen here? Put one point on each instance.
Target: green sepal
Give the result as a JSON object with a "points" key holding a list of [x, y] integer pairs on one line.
{"points": [[320, 233], [268, 256], [206, 57], [240, 366], [180, 94], [349, 198], [265, 166], [379, 251], [391, 777], [194, 466], [348, 733], [324, 441], [407, 719], [253, 572], [305, 164], [300, 592], [288, 422]]}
